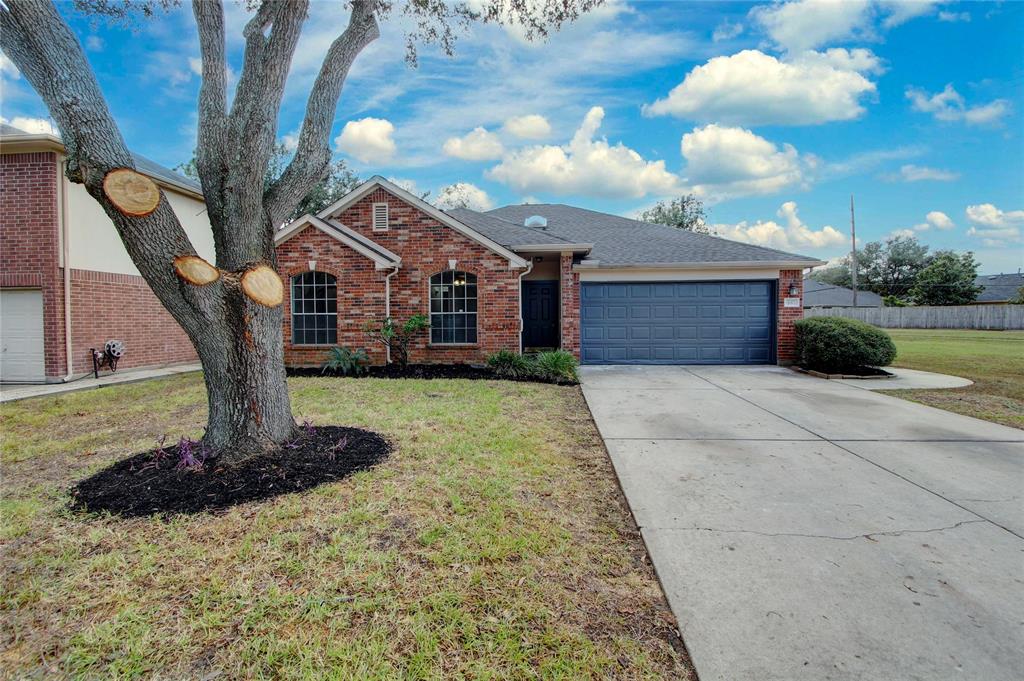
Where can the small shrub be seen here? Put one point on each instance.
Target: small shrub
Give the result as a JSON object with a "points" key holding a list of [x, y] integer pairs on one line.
{"points": [[834, 343], [510, 364], [398, 336], [347, 361], [557, 365]]}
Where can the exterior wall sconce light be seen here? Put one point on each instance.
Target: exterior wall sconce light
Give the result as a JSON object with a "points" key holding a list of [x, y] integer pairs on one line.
{"points": [[794, 289]]}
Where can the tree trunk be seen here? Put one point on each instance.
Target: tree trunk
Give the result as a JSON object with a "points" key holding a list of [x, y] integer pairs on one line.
{"points": [[243, 366]]}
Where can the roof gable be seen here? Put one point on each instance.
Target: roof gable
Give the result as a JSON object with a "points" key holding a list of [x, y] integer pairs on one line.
{"points": [[421, 205], [382, 257]]}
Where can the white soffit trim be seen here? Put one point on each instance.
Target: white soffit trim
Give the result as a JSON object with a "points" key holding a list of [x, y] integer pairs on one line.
{"points": [[382, 257], [362, 190], [693, 274]]}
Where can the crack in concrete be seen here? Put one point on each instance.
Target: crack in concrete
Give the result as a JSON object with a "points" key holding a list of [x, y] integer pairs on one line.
{"points": [[869, 535]]}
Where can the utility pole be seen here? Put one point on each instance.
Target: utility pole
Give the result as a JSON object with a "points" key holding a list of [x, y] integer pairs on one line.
{"points": [[853, 254]]}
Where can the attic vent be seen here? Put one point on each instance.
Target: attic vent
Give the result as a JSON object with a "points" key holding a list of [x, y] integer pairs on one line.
{"points": [[538, 221], [380, 217]]}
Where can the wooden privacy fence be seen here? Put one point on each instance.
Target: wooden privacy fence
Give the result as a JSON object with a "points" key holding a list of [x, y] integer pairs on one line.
{"points": [[994, 317]]}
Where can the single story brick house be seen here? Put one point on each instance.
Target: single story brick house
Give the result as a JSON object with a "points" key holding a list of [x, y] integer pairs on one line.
{"points": [[608, 289], [67, 285]]}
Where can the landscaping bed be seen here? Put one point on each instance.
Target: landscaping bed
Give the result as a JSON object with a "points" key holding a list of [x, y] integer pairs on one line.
{"points": [[493, 542], [429, 371], [992, 359], [178, 479]]}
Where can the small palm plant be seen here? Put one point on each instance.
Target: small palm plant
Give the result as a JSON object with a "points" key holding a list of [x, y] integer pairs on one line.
{"points": [[347, 361]]}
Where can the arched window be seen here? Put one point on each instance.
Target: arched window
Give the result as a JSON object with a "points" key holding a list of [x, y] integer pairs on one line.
{"points": [[453, 307], [314, 309]]}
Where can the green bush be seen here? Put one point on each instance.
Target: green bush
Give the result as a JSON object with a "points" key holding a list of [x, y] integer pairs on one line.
{"points": [[835, 343], [510, 364], [557, 365], [347, 361]]}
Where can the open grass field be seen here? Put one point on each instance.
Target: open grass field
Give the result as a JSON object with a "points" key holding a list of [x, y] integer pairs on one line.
{"points": [[494, 543], [994, 360]]}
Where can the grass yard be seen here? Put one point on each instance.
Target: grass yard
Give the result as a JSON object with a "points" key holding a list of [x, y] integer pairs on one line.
{"points": [[494, 543], [994, 360]]}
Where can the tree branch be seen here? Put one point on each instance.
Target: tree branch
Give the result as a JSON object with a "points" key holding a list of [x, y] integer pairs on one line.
{"points": [[41, 44], [212, 133], [313, 155]]}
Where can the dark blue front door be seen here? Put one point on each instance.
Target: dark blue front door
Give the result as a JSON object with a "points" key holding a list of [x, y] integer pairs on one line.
{"points": [[540, 314], [706, 322]]}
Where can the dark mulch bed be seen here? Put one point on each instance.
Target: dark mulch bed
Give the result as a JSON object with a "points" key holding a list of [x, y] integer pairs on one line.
{"points": [[850, 372], [427, 371], [155, 483]]}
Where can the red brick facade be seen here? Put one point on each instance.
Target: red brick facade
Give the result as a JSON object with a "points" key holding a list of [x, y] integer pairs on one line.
{"points": [[360, 293], [30, 242], [107, 306], [104, 306], [425, 246], [569, 290], [785, 333]]}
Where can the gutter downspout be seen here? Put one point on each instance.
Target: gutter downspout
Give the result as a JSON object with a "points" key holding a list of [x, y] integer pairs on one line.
{"points": [[522, 322], [62, 217], [387, 307]]}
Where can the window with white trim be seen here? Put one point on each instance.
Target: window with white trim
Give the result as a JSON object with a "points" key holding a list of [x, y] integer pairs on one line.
{"points": [[453, 299], [314, 309], [380, 217]]}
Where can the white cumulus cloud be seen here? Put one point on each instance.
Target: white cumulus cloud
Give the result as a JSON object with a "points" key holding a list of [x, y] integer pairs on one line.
{"points": [[792, 233], [754, 88], [914, 173], [726, 30], [806, 24], [368, 139], [585, 166], [33, 126], [993, 226], [949, 105], [935, 218], [724, 162], [529, 127], [477, 145], [464, 195]]}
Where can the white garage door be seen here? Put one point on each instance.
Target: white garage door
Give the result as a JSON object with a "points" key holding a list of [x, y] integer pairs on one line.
{"points": [[21, 336]]}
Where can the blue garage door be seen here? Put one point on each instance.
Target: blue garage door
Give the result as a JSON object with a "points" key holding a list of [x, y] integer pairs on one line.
{"points": [[707, 322]]}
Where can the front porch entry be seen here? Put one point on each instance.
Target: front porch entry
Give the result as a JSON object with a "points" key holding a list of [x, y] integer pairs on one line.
{"points": [[540, 315]]}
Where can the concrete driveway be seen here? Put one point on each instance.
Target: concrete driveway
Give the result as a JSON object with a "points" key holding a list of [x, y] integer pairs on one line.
{"points": [[805, 529]]}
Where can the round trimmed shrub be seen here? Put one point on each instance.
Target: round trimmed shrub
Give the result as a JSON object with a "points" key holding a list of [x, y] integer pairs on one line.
{"points": [[833, 344]]}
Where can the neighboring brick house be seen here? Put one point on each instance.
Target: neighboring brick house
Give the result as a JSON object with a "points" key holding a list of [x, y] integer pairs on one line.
{"points": [[67, 284], [608, 289]]}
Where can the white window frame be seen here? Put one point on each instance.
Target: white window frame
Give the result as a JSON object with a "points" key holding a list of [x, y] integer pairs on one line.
{"points": [[387, 217], [436, 326], [329, 281]]}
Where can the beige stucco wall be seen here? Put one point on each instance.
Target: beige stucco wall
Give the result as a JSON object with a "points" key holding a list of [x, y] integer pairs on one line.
{"points": [[96, 246], [545, 270]]}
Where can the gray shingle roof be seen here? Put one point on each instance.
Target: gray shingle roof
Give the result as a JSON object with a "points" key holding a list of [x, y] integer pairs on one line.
{"points": [[819, 294], [620, 241], [998, 288], [142, 164], [506, 233]]}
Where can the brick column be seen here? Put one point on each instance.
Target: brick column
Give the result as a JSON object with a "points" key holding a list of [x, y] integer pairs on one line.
{"points": [[30, 243], [569, 294], [785, 333]]}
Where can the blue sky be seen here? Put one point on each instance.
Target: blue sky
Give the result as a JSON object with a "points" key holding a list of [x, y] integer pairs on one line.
{"points": [[772, 113]]}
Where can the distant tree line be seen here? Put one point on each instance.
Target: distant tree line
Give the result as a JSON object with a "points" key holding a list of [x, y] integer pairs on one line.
{"points": [[903, 272]]}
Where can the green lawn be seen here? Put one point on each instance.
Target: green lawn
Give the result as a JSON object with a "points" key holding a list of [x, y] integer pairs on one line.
{"points": [[994, 360], [494, 543]]}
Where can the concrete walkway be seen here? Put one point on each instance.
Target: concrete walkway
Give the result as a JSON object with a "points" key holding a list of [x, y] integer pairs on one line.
{"points": [[805, 529], [11, 393], [909, 379]]}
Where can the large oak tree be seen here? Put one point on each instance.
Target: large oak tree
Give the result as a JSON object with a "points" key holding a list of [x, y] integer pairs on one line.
{"points": [[230, 309]]}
